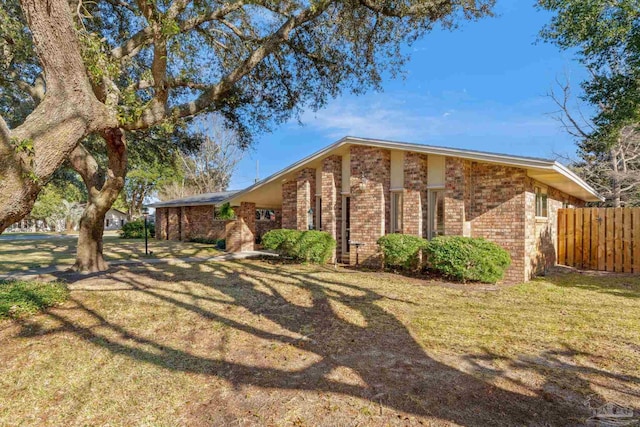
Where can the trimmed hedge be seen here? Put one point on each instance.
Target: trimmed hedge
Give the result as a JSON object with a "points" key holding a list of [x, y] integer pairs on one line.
{"points": [[401, 250], [306, 246], [135, 229], [468, 259]]}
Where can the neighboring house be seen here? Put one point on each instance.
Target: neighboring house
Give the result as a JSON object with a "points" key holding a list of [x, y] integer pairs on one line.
{"points": [[360, 189], [114, 219]]}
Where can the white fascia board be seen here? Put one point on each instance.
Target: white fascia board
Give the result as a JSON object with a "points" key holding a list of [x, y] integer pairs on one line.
{"points": [[502, 159]]}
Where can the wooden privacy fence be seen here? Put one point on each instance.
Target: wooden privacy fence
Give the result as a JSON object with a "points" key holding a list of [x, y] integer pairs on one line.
{"points": [[604, 239]]}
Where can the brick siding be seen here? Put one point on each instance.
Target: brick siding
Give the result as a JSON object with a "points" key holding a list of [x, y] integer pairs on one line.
{"points": [[369, 207], [332, 200], [415, 210], [289, 205]]}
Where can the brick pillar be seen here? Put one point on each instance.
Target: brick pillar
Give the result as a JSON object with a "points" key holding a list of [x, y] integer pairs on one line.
{"points": [[241, 233], [305, 196], [173, 228], [332, 200], [369, 206], [456, 171], [289, 205], [415, 194], [185, 223], [161, 222], [278, 218]]}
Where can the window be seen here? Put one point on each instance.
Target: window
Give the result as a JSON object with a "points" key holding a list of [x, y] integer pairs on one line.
{"points": [[436, 213], [396, 212], [107, 222], [319, 212], [541, 202]]}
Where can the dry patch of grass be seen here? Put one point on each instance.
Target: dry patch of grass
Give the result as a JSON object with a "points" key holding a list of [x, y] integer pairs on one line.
{"points": [[26, 254], [254, 343]]}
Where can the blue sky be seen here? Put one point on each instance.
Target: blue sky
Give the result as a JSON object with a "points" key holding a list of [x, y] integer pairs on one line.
{"points": [[483, 86]]}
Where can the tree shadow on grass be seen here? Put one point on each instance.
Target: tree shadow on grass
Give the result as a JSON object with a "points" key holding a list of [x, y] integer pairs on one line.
{"points": [[619, 284], [372, 342]]}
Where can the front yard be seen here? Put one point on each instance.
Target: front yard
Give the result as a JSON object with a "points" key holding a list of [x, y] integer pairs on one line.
{"points": [[33, 252], [255, 343]]}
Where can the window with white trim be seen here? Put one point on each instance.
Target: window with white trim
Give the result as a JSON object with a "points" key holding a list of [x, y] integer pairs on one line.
{"points": [[396, 212], [541, 202]]}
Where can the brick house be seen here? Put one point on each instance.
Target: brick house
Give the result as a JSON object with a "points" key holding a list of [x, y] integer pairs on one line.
{"points": [[360, 189]]}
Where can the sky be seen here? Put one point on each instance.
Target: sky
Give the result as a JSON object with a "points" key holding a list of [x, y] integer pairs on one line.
{"points": [[482, 86]]}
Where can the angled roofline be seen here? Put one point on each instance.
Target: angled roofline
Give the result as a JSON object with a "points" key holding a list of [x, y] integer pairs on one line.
{"points": [[482, 156], [189, 200]]}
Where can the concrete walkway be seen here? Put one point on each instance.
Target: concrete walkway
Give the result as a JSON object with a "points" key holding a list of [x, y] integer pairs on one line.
{"points": [[37, 272]]}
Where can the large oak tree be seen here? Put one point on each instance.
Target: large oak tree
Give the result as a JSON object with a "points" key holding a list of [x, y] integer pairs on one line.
{"points": [[107, 67]]}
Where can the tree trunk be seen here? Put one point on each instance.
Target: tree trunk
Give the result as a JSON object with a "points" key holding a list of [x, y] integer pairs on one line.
{"points": [[89, 257], [102, 194], [30, 153]]}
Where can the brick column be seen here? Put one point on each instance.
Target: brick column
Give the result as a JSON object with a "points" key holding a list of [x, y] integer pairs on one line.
{"points": [[161, 224], [332, 200], [415, 194], [289, 205], [456, 171], [240, 234], [369, 206], [173, 227], [305, 196]]}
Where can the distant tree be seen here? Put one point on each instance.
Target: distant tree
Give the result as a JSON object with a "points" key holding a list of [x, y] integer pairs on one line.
{"points": [[607, 38]]}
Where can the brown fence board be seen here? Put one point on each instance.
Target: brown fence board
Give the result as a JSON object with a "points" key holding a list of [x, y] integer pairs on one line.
{"points": [[602, 260], [635, 236], [562, 236], [571, 245], [605, 239], [593, 212], [626, 240]]}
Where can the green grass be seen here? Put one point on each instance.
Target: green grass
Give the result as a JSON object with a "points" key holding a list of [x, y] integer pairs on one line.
{"points": [[27, 254], [22, 298], [258, 343]]}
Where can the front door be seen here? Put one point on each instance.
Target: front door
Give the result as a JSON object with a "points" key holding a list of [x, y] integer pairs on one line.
{"points": [[436, 213]]}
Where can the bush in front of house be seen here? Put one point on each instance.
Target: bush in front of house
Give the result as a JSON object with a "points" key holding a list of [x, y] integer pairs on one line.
{"points": [[467, 258], [401, 250], [306, 246], [135, 229]]}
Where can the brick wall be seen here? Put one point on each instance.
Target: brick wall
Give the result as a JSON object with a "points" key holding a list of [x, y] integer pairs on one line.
{"points": [[289, 205], [369, 207], [241, 233], [496, 209], [305, 196], [174, 224], [455, 195], [332, 200], [415, 194], [542, 233], [161, 223]]}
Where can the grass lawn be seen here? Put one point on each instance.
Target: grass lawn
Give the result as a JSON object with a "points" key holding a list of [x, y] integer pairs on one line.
{"points": [[255, 343], [24, 253]]}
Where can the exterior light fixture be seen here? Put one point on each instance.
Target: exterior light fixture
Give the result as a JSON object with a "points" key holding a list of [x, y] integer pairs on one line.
{"points": [[145, 213], [363, 182], [310, 218]]}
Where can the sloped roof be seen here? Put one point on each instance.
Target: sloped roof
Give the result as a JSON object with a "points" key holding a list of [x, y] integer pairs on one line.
{"points": [[546, 171], [197, 200]]}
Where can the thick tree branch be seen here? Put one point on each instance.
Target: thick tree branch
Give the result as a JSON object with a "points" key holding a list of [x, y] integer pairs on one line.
{"points": [[269, 45]]}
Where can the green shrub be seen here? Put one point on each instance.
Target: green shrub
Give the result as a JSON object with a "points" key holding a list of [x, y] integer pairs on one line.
{"points": [[307, 246], [466, 258], [401, 250], [280, 240], [135, 229], [225, 212], [20, 298]]}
